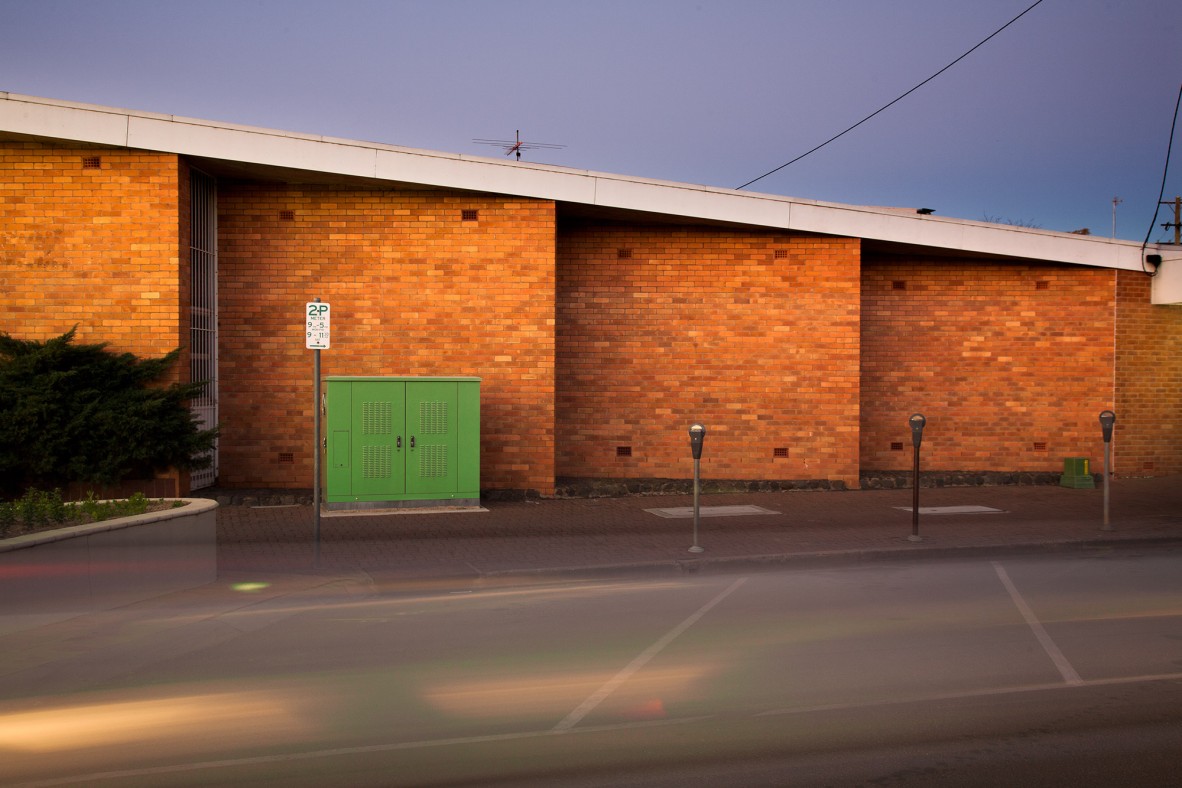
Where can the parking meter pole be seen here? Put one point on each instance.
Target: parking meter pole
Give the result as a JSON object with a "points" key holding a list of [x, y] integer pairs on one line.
{"points": [[916, 422], [1107, 459], [696, 548], [697, 435], [915, 537], [1107, 420]]}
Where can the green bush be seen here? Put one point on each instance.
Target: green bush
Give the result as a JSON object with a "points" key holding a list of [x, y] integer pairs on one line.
{"points": [[38, 509], [80, 413], [97, 510], [35, 509]]}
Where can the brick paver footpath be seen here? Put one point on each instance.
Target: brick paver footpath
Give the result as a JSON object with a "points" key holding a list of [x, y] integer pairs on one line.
{"points": [[612, 535]]}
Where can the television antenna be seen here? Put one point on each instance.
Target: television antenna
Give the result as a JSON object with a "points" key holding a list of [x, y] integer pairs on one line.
{"points": [[517, 145]]}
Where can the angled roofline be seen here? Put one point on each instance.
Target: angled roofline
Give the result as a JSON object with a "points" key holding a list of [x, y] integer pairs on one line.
{"points": [[69, 121]]}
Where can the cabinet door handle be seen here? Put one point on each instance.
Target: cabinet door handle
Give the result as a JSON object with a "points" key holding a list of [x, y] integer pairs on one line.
{"points": [[399, 442], [412, 441]]}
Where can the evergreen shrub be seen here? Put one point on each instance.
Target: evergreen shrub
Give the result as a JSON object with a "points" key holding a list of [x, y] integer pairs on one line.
{"points": [[81, 413]]}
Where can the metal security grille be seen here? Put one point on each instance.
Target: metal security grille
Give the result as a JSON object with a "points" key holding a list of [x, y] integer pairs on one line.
{"points": [[433, 461], [375, 462], [433, 418], [376, 418], [203, 311]]}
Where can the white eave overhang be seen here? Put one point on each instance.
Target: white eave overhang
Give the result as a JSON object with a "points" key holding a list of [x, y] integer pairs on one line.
{"points": [[326, 156]]}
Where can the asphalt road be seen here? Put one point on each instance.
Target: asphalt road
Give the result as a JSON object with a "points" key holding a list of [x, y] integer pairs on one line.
{"points": [[1040, 670]]}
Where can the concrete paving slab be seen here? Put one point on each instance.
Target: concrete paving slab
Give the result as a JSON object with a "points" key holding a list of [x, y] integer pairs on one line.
{"points": [[968, 509], [710, 511]]}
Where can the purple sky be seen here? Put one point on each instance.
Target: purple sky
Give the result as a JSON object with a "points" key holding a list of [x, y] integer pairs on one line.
{"points": [[1044, 125]]}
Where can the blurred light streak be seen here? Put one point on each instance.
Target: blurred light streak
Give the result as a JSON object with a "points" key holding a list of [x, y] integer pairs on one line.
{"points": [[174, 719], [249, 587], [643, 697]]}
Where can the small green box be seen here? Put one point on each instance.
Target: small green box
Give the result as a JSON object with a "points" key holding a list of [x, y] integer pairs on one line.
{"points": [[1076, 473]]}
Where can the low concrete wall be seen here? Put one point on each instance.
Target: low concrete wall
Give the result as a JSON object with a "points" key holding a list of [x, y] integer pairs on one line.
{"points": [[55, 575]]}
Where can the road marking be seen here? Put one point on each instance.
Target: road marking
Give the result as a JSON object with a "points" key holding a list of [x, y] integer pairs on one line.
{"points": [[597, 697], [1065, 670], [460, 741], [966, 694], [257, 760]]}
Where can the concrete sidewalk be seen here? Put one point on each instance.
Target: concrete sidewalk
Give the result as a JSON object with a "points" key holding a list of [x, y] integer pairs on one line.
{"points": [[615, 535]]}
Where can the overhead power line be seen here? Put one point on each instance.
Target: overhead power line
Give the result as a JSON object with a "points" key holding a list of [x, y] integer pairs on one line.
{"points": [[1165, 173], [896, 101]]}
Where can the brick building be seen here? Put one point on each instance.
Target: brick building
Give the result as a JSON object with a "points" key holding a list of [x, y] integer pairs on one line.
{"points": [[603, 313]]}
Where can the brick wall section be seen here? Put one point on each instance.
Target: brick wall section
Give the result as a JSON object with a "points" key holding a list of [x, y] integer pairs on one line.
{"points": [[98, 246], [98, 238], [662, 326], [1010, 363], [1147, 440], [415, 290]]}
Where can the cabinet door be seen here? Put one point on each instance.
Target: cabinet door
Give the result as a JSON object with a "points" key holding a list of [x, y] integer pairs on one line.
{"points": [[432, 418], [338, 460], [379, 438]]}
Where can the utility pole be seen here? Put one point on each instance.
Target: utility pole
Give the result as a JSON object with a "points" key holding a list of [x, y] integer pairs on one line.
{"points": [[1115, 202], [1177, 223]]}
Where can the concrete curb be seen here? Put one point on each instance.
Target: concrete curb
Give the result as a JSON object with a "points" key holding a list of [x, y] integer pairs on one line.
{"points": [[827, 558]]}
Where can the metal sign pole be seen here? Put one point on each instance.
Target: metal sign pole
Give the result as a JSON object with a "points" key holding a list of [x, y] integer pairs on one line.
{"points": [[316, 330], [316, 457]]}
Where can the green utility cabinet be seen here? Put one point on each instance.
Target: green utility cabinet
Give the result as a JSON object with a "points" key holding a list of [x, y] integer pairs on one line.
{"points": [[397, 442]]}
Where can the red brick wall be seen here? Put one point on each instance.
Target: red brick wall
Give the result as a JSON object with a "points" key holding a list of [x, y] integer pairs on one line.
{"points": [[414, 290], [698, 324], [694, 324], [1147, 440], [99, 247], [98, 238], [1011, 374]]}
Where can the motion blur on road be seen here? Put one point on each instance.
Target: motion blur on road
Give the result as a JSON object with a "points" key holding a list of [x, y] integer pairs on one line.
{"points": [[1049, 670]]}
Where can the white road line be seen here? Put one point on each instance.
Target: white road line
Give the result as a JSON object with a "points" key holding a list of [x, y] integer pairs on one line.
{"points": [[460, 741], [150, 771], [597, 697], [966, 694], [1065, 670]]}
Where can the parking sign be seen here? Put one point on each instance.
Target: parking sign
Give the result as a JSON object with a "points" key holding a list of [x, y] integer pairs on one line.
{"points": [[316, 325]]}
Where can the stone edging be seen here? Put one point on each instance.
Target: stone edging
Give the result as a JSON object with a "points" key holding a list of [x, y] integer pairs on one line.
{"points": [[193, 507]]}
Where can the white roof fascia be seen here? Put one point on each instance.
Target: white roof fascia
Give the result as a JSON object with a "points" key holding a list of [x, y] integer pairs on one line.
{"points": [[62, 120], [240, 145], [246, 144], [854, 221]]}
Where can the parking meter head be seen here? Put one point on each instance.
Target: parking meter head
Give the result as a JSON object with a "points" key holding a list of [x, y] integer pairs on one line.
{"points": [[697, 434], [1107, 419], [917, 421]]}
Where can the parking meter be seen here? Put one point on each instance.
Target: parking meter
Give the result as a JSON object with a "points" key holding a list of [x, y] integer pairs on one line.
{"points": [[1107, 419], [917, 421], [697, 434]]}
